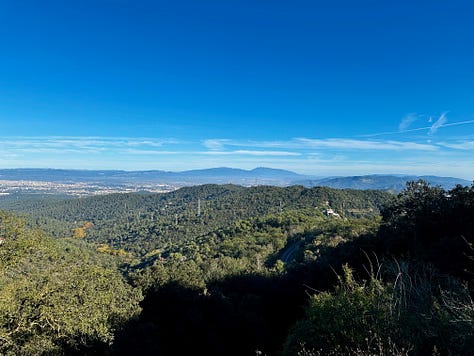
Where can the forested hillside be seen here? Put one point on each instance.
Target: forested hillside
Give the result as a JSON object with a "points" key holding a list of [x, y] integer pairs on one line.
{"points": [[141, 223], [237, 271]]}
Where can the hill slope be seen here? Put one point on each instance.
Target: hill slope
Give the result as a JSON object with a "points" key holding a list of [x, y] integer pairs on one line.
{"points": [[140, 223], [382, 182]]}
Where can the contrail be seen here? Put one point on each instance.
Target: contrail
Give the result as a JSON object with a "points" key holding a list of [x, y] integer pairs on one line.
{"points": [[458, 123], [439, 123], [419, 129]]}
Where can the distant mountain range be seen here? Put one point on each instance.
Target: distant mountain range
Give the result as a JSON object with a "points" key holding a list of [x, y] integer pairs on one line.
{"points": [[257, 176], [382, 182]]}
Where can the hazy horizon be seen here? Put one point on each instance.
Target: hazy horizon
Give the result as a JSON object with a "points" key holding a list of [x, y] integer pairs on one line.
{"points": [[311, 176], [325, 89]]}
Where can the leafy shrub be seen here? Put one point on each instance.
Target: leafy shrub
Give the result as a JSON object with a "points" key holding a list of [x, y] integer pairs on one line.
{"points": [[345, 319], [57, 295], [416, 310]]}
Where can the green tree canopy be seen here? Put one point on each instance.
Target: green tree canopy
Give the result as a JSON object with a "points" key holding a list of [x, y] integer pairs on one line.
{"points": [[57, 295]]}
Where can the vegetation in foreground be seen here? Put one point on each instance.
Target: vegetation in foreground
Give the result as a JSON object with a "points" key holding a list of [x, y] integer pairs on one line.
{"points": [[271, 278], [58, 295]]}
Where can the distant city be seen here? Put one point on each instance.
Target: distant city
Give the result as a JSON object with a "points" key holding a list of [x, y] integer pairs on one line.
{"points": [[85, 183], [79, 189]]}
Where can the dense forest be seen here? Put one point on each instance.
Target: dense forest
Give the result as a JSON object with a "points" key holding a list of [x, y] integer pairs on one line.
{"points": [[231, 270], [142, 223]]}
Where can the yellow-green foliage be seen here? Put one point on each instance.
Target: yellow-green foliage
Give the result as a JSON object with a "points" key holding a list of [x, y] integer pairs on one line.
{"points": [[55, 295], [81, 232]]}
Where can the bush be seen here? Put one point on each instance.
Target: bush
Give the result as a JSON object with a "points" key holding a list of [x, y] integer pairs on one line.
{"points": [[415, 310], [351, 316]]}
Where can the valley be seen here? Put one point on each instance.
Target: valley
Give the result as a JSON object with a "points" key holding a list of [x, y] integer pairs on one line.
{"points": [[233, 178], [216, 262]]}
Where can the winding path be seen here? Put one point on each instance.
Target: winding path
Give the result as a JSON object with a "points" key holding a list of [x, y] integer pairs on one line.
{"points": [[287, 255]]}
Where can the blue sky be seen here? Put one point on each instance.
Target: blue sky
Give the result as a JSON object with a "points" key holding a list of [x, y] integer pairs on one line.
{"points": [[318, 87]]}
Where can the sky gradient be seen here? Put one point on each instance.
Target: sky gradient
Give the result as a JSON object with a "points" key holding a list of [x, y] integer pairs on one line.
{"points": [[318, 87]]}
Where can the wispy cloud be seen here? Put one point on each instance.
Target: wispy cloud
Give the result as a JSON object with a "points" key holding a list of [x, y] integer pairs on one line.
{"points": [[215, 144], [49, 150], [459, 123], [303, 143], [407, 120], [139, 152], [253, 153], [223, 146], [222, 143], [80, 144], [441, 122], [438, 123], [465, 145], [321, 156], [211, 153], [351, 144]]}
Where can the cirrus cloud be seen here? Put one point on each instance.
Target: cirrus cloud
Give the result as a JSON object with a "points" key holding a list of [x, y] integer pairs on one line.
{"points": [[438, 123]]}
